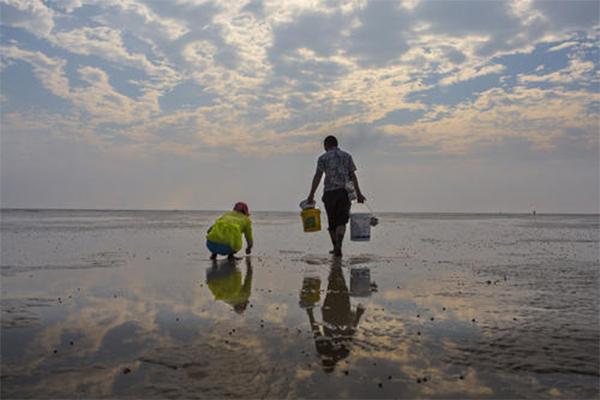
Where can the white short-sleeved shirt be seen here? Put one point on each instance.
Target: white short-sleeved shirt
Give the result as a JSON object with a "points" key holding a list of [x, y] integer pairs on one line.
{"points": [[337, 166]]}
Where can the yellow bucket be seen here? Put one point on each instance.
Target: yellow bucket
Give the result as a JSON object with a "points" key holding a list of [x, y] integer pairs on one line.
{"points": [[310, 293], [311, 219]]}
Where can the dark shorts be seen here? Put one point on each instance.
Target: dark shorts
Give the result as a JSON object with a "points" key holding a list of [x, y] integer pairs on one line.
{"points": [[337, 206], [218, 248]]}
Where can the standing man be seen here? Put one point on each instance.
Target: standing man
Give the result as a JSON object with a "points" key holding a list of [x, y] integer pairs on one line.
{"points": [[338, 167]]}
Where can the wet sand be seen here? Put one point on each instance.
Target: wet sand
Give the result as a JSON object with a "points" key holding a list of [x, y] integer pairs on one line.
{"points": [[127, 304]]}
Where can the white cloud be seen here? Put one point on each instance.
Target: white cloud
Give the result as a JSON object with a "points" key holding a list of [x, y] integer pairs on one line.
{"points": [[564, 45], [465, 74], [578, 71], [107, 43], [274, 73], [105, 104], [68, 5], [31, 15], [50, 71], [137, 17], [537, 115]]}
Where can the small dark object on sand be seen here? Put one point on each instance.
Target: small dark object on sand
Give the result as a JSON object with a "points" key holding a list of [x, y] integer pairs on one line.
{"points": [[126, 370], [55, 351], [71, 343], [489, 282], [380, 385]]}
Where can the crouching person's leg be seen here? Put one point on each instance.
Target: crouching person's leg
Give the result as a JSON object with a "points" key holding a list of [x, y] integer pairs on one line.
{"points": [[218, 248]]}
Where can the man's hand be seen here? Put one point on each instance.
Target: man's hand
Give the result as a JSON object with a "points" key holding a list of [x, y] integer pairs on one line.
{"points": [[248, 250], [360, 198]]}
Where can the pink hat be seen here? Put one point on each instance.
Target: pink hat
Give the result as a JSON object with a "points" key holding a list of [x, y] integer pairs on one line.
{"points": [[241, 207]]}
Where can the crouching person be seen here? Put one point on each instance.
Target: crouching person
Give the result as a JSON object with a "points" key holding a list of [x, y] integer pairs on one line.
{"points": [[225, 235]]}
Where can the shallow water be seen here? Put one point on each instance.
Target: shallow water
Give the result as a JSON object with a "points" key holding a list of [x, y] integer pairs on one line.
{"points": [[127, 304]]}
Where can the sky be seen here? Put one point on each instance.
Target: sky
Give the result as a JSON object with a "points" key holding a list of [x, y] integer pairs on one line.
{"points": [[446, 106]]}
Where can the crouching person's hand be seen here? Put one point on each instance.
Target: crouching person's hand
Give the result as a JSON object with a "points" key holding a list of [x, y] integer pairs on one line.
{"points": [[248, 250]]}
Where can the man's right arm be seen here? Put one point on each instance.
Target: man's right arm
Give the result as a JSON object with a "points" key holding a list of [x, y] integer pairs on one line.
{"points": [[315, 184]]}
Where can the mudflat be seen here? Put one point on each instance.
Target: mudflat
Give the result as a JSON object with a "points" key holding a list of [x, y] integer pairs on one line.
{"points": [[116, 304]]}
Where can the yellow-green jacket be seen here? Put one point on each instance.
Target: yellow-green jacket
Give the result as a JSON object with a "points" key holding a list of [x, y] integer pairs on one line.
{"points": [[228, 230]]}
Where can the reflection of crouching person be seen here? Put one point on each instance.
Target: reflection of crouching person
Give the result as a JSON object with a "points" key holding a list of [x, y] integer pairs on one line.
{"points": [[225, 235], [224, 279]]}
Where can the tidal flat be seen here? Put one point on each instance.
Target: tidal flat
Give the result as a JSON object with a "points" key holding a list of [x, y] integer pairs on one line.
{"points": [[127, 304]]}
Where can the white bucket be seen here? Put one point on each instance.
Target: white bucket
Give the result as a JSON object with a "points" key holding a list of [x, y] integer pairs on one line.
{"points": [[360, 282], [360, 227]]}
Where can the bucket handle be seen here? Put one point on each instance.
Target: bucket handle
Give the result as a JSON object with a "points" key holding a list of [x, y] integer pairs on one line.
{"points": [[370, 209]]}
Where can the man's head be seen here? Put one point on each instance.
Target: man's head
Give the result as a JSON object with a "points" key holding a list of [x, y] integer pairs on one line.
{"points": [[330, 142]]}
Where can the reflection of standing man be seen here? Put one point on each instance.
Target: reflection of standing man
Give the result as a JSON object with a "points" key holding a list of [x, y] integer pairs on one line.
{"points": [[338, 167], [334, 336], [224, 279]]}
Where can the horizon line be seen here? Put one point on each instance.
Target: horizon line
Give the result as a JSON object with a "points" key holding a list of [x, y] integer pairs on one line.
{"points": [[294, 211]]}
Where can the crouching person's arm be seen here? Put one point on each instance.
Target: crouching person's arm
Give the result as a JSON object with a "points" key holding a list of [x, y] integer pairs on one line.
{"points": [[249, 240]]}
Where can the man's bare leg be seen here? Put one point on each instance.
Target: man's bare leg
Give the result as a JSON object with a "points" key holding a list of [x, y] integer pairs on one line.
{"points": [[332, 236], [340, 231]]}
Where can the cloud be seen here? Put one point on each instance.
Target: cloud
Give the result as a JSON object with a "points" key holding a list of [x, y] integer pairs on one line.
{"points": [[107, 43], [380, 37], [140, 18], [50, 71], [540, 115], [578, 71], [465, 74], [68, 5], [572, 14], [31, 15], [104, 104], [463, 17], [271, 76]]}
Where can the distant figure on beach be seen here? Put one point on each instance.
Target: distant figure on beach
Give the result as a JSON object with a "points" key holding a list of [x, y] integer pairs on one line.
{"points": [[333, 337], [224, 279], [338, 167], [225, 235]]}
